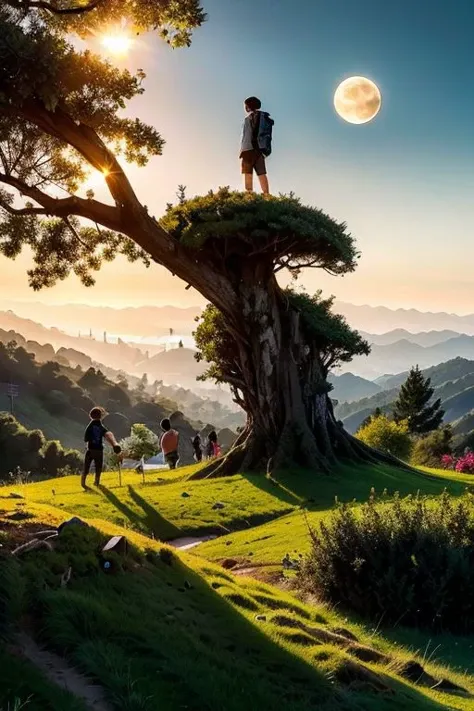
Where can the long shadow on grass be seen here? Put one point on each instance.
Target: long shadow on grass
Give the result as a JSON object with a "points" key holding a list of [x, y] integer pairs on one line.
{"points": [[151, 522], [318, 492], [161, 527]]}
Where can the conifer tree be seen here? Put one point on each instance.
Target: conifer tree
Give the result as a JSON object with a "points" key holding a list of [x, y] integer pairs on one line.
{"points": [[414, 404]]}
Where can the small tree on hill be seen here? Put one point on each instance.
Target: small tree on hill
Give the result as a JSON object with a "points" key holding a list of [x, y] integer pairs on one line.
{"points": [[142, 442], [387, 436], [413, 405]]}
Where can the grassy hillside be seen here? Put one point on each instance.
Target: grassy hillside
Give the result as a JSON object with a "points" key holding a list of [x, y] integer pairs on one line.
{"points": [[180, 632]]}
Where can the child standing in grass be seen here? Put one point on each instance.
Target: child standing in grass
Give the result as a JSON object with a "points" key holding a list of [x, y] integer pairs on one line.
{"points": [[94, 437], [169, 444]]}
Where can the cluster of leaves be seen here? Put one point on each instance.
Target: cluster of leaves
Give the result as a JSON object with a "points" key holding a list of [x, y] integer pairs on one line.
{"points": [[409, 562], [29, 450], [174, 21], [288, 233], [387, 436], [429, 449], [328, 333], [463, 464]]}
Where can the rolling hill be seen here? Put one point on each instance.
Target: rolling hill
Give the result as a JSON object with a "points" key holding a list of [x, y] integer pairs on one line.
{"points": [[162, 627], [453, 382]]}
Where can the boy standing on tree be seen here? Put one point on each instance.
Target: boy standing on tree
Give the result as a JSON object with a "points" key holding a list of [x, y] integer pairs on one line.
{"points": [[256, 144], [169, 444], [94, 437]]}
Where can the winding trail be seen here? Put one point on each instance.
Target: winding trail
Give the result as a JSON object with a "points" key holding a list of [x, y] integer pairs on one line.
{"points": [[58, 671]]}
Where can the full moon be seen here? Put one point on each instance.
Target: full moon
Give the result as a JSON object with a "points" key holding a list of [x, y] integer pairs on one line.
{"points": [[357, 100]]}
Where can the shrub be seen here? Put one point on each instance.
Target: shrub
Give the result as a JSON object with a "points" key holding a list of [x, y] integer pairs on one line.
{"points": [[463, 464], [428, 450], [387, 436], [141, 443], [408, 561]]}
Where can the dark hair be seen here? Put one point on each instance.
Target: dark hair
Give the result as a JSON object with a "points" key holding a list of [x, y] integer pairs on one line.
{"points": [[212, 436], [165, 424], [253, 103], [97, 413]]}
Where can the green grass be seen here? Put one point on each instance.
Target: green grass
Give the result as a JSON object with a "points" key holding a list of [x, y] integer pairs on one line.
{"points": [[23, 688], [168, 506], [316, 496], [189, 635], [164, 510]]}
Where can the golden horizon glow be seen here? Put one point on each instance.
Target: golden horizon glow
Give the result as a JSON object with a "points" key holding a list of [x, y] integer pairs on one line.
{"points": [[357, 100]]}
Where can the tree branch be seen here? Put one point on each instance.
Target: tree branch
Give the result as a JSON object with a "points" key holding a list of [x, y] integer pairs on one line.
{"points": [[129, 217], [53, 7], [65, 207]]}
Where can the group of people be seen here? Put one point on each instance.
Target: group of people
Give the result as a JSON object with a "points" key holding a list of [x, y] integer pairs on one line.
{"points": [[96, 432]]}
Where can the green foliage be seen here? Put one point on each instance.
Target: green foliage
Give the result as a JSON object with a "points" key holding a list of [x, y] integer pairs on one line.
{"points": [[28, 450], [43, 73], [376, 413], [408, 561], [428, 450], [142, 442], [387, 436], [330, 334], [292, 235], [413, 405]]}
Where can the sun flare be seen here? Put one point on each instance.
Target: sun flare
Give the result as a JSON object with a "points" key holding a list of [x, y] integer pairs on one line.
{"points": [[118, 43]]}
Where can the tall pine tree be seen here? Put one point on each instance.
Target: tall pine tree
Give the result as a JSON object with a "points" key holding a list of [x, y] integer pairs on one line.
{"points": [[413, 404]]}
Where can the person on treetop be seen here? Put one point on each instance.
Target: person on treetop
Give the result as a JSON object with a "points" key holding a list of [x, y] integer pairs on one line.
{"points": [[94, 436], [169, 444], [256, 144]]}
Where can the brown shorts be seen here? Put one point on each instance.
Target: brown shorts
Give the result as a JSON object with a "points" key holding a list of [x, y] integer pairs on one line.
{"points": [[253, 161]]}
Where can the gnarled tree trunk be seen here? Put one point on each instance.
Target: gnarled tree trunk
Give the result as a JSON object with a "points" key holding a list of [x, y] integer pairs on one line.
{"points": [[282, 386]]}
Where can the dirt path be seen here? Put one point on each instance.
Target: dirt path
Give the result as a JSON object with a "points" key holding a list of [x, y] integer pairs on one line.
{"points": [[57, 670], [185, 544]]}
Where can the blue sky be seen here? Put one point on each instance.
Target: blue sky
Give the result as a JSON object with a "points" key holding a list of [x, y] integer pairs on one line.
{"points": [[404, 182]]}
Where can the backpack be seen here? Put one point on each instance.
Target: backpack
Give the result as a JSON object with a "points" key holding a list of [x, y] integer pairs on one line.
{"points": [[264, 135]]}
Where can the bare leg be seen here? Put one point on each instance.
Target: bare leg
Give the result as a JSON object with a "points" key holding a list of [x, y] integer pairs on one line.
{"points": [[264, 184], [248, 182]]}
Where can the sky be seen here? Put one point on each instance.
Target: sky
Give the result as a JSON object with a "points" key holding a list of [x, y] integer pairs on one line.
{"points": [[404, 182]]}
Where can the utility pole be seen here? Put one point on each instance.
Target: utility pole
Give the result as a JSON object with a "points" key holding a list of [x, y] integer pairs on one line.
{"points": [[12, 392]]}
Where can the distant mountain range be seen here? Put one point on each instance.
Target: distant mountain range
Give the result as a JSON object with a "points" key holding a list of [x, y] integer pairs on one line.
{"points": [[157, 320], [380, 319], [425, 338], [142, 321], [453, 382], [402, 355]]}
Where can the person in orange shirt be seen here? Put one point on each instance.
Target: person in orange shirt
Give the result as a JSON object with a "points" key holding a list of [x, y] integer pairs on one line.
{"points": [[169, 444]]}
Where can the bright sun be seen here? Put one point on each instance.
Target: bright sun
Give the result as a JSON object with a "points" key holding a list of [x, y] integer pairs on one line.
{"points": [[118, 43]]}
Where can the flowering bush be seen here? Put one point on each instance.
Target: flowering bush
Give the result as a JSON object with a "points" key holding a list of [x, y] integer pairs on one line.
{"points": [[448, 461], [463, 465]]}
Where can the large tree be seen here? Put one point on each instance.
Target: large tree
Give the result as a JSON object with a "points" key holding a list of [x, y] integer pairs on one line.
{"points": [[60, 116]]}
